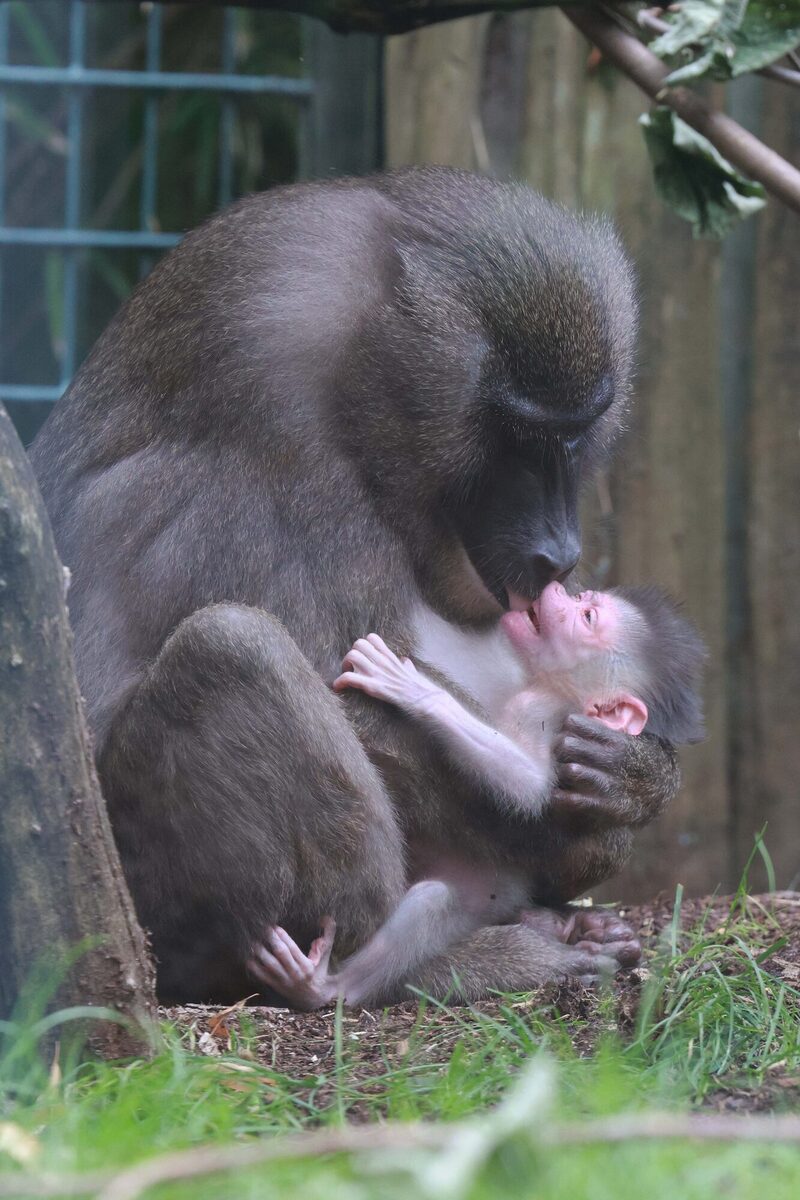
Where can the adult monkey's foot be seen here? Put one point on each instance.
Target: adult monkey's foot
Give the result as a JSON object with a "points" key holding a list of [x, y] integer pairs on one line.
{"points": [[593, 929], [302, 979]]}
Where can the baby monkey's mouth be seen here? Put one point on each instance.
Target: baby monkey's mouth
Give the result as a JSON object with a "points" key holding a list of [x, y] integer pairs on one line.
{"points": [[534, 617]]}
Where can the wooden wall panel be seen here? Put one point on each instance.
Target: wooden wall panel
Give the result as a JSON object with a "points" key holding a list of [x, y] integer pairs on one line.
{"points": [[662, 512], [767, 774], [432, 81]]}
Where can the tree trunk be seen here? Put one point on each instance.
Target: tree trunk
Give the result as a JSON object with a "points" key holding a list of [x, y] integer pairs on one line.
{"points": [[60, 877]]}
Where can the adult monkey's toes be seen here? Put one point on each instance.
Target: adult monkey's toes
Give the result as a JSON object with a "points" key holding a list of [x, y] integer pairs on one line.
{"points": [[590, 928], [624, 953], [605, 928]]}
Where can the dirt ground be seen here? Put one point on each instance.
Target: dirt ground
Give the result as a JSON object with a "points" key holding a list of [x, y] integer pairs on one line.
{"points": [[302, 1045]]}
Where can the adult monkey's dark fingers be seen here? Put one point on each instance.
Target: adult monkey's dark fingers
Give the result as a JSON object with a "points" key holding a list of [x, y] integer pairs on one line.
{"points": [[568, 748], [587, 813], [591, 729], [589, 781]]}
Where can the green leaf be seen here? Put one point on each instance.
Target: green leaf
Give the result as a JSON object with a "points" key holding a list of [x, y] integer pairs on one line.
{"points": [[115, 278], [35, 33], [693, 177], [28, 122], [690, 26], [769, 30], [725, 38], [54, 299], [715, 63]]}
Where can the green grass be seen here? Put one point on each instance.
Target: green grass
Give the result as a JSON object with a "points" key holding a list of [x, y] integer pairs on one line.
{"points": [[710, 1016]]}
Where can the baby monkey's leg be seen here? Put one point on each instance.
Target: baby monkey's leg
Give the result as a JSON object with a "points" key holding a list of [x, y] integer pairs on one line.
{"points": [[432, 915]]}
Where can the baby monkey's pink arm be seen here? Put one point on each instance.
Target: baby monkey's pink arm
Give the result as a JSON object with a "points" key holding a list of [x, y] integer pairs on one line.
{"points": [[519, 780]]}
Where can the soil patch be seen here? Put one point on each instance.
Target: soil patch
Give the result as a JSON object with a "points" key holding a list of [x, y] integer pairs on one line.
{"points": [[303, 1046]]}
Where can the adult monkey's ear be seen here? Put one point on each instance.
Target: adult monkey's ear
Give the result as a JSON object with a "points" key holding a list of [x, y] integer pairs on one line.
{"points": [[625, 713]]}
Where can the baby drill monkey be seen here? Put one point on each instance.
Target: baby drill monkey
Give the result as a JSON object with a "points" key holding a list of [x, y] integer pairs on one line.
{"points": [[626, 657]]}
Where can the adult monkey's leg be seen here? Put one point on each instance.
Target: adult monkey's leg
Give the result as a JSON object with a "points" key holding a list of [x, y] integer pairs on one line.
{"points": [[240, 798], [510, 958]]}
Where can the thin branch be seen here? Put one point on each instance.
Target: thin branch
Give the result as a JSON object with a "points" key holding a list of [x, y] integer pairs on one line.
{"points": [[133, 1182], [648, 19], [741, 148], [390, 16], [781, 74], [698, 1127]]}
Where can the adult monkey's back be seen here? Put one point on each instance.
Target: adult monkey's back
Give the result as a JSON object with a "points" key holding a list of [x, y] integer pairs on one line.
{"points": [[335, 408]]}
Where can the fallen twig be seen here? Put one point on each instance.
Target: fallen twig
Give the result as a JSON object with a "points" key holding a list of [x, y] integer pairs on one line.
{"points": [[133, 1182]]}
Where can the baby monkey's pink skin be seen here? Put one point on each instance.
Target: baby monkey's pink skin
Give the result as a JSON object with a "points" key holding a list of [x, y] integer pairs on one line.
{"points": [[556, 636], [600, 943], [303, 979]]}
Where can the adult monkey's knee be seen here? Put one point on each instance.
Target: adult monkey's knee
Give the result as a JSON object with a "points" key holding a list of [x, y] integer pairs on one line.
{"points": [[241, 798], [221, 650]]}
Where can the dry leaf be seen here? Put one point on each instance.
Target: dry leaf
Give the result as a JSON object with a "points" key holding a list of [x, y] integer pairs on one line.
{"points": [[55, 1067], [17, 1143], [206, 1044], [218, 1028]]}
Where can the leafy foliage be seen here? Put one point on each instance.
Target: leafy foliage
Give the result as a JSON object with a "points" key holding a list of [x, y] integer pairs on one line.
{"points": [[693, 177], [725, 38]]}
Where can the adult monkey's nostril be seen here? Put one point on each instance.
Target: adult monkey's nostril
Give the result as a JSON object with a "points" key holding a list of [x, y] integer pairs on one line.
{"points": [[554, 562]]}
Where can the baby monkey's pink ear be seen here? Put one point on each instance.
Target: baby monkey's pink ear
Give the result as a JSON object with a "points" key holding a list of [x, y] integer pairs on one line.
{"points": [[626, 713]]}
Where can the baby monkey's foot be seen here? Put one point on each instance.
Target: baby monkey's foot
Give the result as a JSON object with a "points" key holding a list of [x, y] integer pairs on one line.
{"points": [[593, 929], [302, 979]]}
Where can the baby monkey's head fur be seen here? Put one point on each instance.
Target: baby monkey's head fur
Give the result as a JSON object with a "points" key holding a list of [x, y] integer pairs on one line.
{"points": [[661, 658]]}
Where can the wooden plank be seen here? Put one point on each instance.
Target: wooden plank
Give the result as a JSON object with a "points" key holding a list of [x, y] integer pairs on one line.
{"points": [[767, 769], [659, 514], [341, 133], [432, 81], [666, 486]]}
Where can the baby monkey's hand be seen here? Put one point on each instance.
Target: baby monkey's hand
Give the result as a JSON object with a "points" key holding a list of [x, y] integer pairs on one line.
{"points": [[373, 668]]}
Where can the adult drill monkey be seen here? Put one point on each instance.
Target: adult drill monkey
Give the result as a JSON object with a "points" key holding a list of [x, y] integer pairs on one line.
{"points": [[341, 406]]}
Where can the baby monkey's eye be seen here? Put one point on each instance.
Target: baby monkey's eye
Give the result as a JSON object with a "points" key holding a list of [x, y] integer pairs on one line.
{"points": [[589, 615]]}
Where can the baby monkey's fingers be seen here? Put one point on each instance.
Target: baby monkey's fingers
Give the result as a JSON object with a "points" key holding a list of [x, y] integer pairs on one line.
{"points": [[360, 683], [377, 643], [362, 655]]}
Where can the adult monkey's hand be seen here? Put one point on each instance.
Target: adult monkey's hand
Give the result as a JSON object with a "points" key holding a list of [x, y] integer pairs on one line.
{"points": [[607, 778]]}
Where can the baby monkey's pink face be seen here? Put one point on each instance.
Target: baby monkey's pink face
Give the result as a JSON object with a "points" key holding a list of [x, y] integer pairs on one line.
{"points": [[561, 632]]}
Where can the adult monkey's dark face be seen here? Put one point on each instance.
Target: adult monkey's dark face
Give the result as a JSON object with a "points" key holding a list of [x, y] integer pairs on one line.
{"points": [[524, 317], [519, 521]]}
